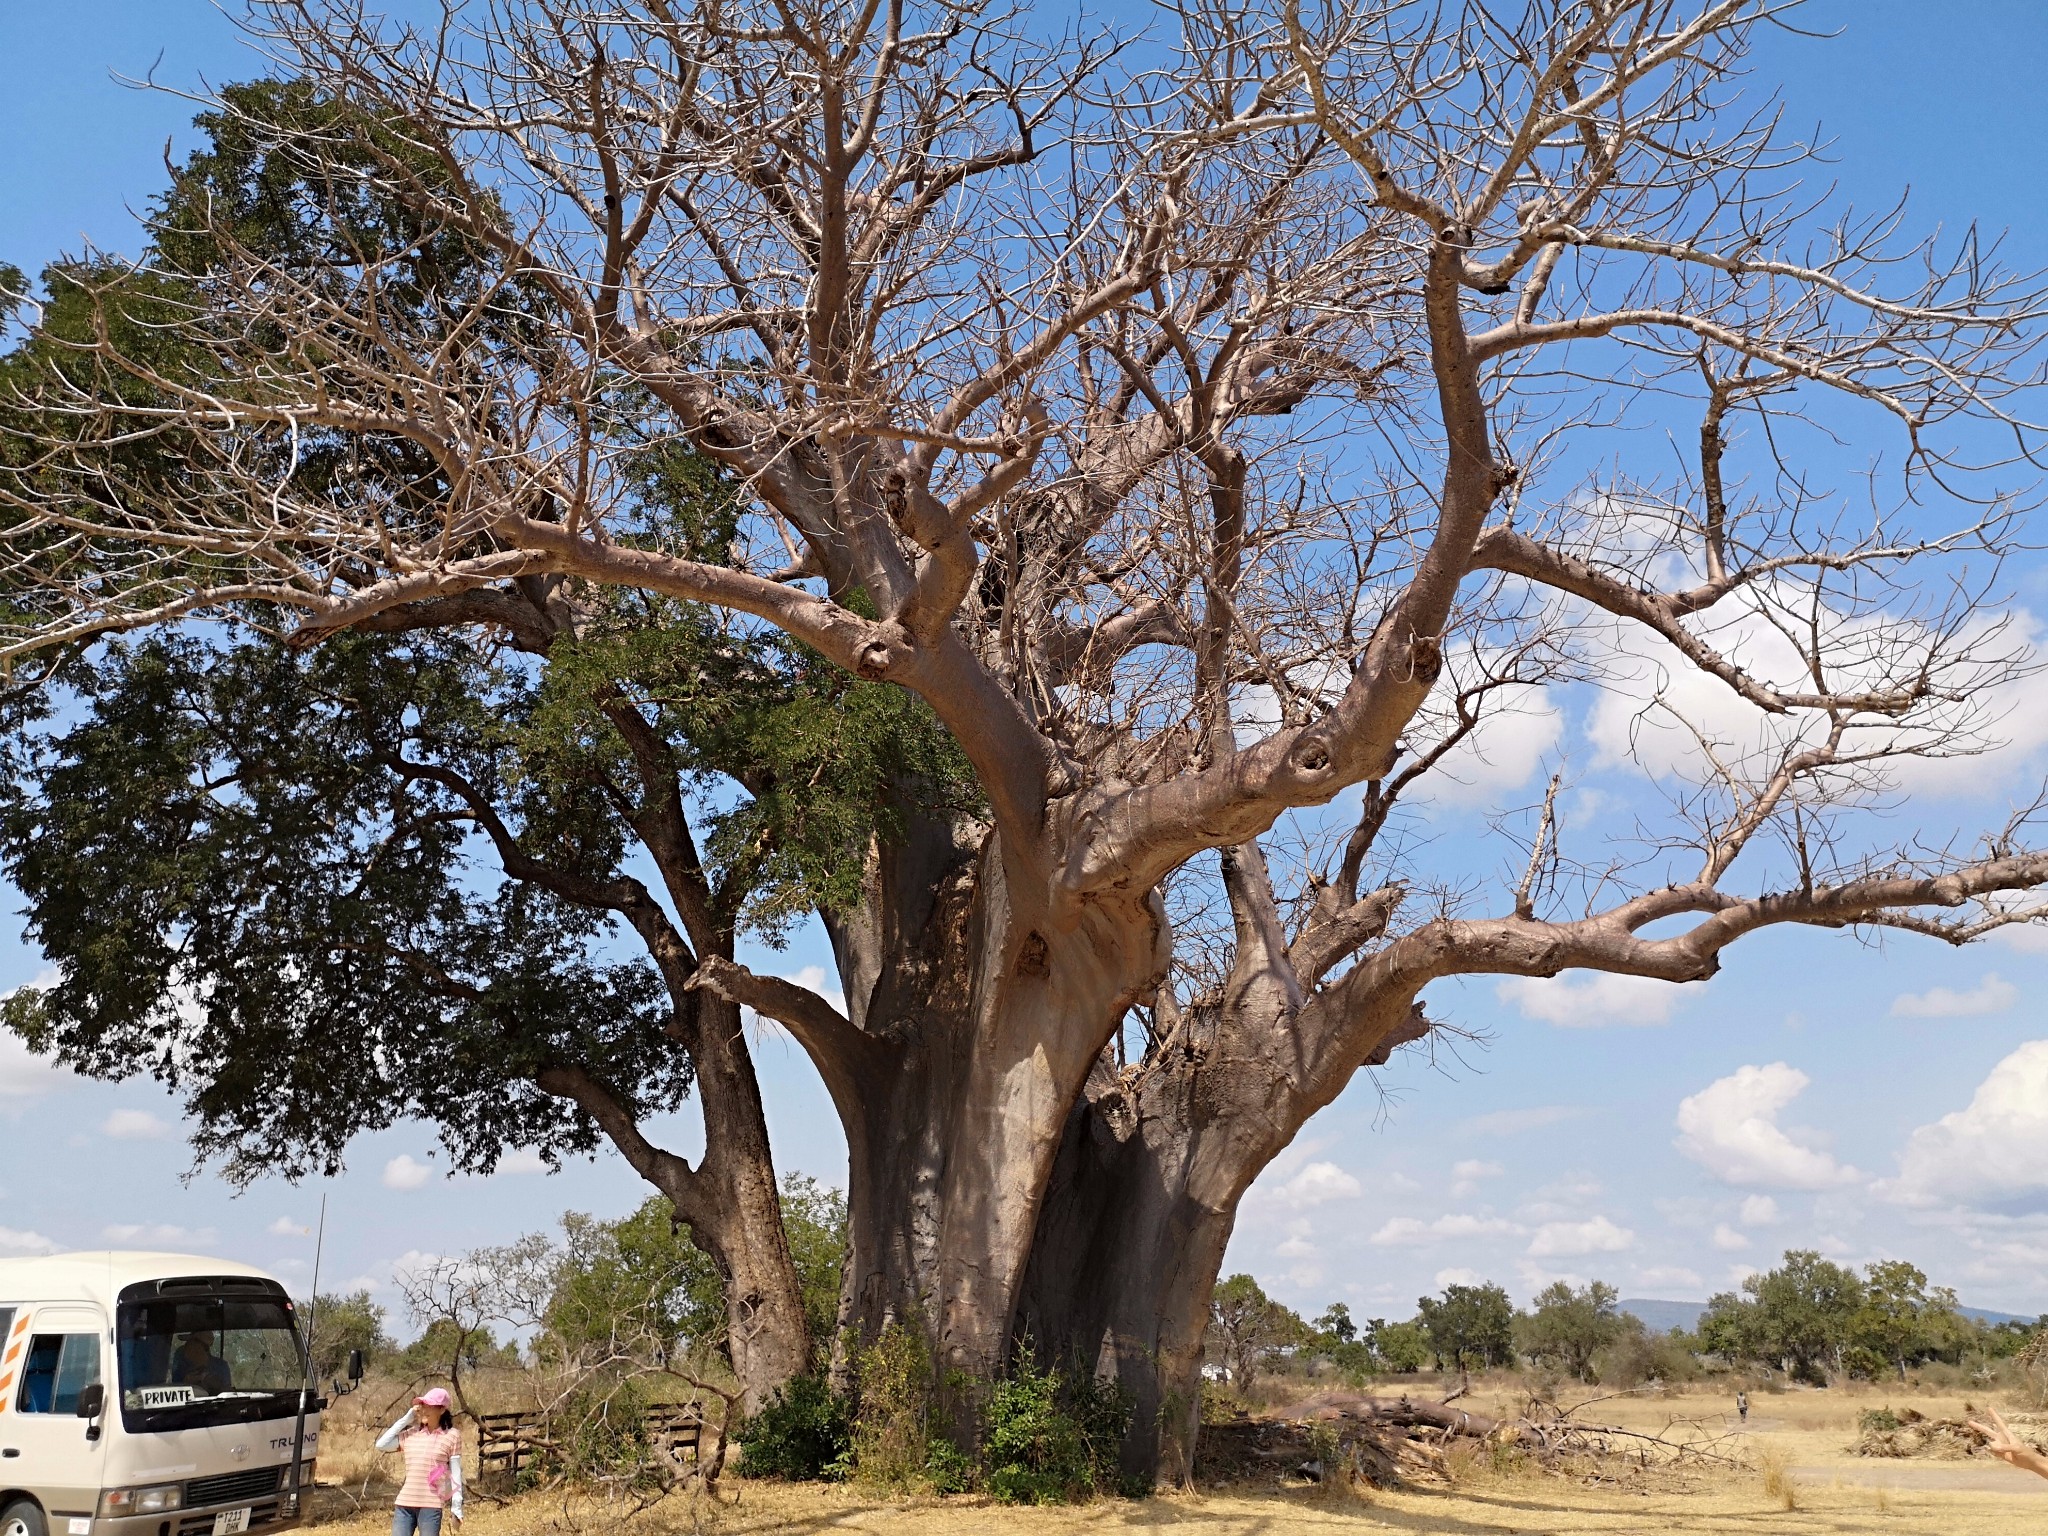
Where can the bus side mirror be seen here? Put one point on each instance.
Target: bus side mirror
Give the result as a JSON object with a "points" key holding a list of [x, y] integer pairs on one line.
{"points": [[355, 1365], [92, 1401]]}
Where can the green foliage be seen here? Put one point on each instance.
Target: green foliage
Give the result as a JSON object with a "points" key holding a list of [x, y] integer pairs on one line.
{"points": [[448, 1343], [634, 1281], [822, 755], [802, 1434], [1049, 1440], [602, 1439], [1795, 1318], [1336, 1325], [1469, 1326], [641, 1280], [341, 1324], [1567, 1328], [1901, 1320], [896, 1443], [1247, 1327], [814, 1219], [1402, 1348]]}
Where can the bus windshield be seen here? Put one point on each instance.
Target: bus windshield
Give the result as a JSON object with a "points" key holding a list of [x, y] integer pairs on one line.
{"points": [[193, 1359]]}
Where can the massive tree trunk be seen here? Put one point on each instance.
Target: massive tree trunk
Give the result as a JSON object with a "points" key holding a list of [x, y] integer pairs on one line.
{"points": [[976, 1014], [1156, 1159]]}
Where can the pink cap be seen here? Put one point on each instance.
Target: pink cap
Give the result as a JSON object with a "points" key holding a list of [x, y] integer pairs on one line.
{"points": [[437, 1398]]}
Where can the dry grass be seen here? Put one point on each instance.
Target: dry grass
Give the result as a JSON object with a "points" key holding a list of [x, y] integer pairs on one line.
{"points": [[1804, 1435], [1780, 1486]]}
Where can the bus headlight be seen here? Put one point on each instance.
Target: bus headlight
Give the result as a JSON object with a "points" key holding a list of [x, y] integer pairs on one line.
{"points": [[142, 1501]]}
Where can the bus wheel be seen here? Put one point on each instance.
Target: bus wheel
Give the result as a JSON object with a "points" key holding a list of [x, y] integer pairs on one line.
{"points": [[23, 1518]]}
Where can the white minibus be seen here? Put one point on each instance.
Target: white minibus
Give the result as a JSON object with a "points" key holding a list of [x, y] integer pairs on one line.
{"points": [[149, 1394]]}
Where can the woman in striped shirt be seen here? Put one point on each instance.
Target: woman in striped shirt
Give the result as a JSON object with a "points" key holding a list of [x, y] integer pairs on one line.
{"points": [[432, 1447]]}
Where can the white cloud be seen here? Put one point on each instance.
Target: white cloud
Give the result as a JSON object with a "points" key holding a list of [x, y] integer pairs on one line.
{"points": [[1467, 1173], [402, 1172], [1445, 1278], [522, 1160], [1568, 1239], [2027, 938], [284, 1226], [157, 1235], [1412, 1232], [1993, 1152], [1656, 708], [1992, 995], [1760, 1211], [136, 1125], [1728, 1239], [12, 1241], [1730, 1128], [1590, 1001], [1318, 1184], [1513, 1122], [1297, 1245], [1501, 755]]}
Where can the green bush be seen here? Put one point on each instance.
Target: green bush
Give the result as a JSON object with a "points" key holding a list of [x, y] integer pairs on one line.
{"points": [[803, 1434], [1047, 1441]]}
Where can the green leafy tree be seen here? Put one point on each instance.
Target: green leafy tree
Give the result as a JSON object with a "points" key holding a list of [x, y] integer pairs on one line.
{"points": [[1567, 1328], [1902, 1319], [1469, 1326], [397, 868], [1400, 1348], [1247, 1328], [1336, 1323], [447, 1343], [1796, 1318], [642, 1277], [341, 1324]]}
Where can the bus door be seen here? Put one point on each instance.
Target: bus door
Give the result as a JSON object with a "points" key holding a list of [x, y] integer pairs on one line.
{"points": [[44, 1445]]}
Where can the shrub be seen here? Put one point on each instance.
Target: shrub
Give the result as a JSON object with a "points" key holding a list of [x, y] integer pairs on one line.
{"points": [[1047, 1441], [803, 1434], [894, 1442]]}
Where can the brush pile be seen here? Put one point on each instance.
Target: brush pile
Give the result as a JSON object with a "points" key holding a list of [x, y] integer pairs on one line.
{"points": [[1910, 1433], [1389, 1442]]}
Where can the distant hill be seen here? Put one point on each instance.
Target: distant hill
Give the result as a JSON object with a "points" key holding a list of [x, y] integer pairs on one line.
{"points": [[1663, 1316]]}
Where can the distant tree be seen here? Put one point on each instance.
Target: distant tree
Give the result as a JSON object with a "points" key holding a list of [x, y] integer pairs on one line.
{"points": [[1469, 1325], [641, 1277], [341, 1324], [1247, 1327], [1336, 1323], [1566, 1328], [448, 1343], [1797, 1317], [1399, 1348], [1901, 1318]]}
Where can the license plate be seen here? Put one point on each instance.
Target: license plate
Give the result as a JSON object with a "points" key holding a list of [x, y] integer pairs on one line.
{"points": [[231, 1522]]}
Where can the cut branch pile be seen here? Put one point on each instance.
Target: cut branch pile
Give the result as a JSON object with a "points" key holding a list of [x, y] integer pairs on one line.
{"points": [[1388, 1442], [1910, 1433]]}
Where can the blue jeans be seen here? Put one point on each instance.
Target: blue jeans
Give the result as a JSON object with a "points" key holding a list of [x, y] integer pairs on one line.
{"points": [[406, 1521]]}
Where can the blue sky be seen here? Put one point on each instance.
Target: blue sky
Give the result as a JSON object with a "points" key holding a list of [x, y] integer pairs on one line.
{"points": [[1663, 1139]]}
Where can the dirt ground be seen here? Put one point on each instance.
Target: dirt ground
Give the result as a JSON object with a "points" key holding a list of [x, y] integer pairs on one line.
{"points": [[1805, 1436]]}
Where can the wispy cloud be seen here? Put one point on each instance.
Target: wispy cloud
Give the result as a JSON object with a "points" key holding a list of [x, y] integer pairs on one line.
{"points": [[1993, 994]]}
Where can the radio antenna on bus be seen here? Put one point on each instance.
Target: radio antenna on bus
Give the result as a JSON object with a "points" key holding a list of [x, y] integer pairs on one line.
{"points": [[306, 1361]]}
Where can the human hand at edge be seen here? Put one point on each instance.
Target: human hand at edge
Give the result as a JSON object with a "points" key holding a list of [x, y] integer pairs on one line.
{"points": [[2008, 1447]]}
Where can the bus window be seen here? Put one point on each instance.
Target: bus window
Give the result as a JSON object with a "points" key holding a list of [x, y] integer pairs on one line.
{"points": [[57, 1368]]}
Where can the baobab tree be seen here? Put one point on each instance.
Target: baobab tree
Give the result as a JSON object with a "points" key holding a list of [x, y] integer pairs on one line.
{"points": [[1207, 433]]}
